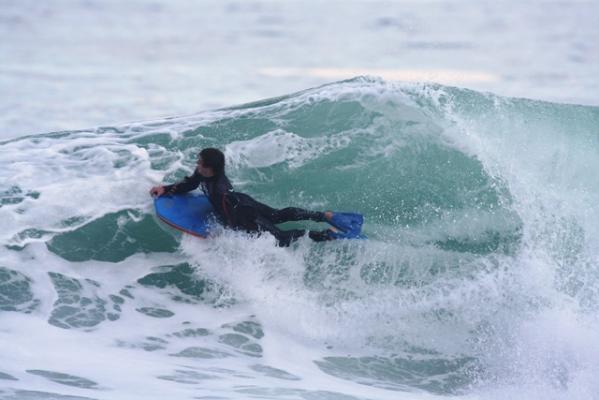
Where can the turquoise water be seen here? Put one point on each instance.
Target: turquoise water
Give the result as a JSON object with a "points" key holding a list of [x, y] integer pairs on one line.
{"points": [[479, 278]]}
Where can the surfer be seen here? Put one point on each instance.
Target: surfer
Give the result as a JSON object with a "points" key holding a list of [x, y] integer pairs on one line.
{"points": [[239, 210]]}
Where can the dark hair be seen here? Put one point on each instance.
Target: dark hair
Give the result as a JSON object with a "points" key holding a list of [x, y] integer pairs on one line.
{"points": [[213, 158]]}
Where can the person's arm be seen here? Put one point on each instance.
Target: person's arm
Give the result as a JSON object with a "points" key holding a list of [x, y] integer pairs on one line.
{"points": [[188, 184]]}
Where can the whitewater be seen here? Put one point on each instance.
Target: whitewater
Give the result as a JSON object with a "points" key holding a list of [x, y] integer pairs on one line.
{"points": [[479, 280]]}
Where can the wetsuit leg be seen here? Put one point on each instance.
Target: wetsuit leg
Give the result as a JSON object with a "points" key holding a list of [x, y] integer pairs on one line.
{"points": [[319, 236], [255, 216], [296, 214], [284, 238], [287, 214]]}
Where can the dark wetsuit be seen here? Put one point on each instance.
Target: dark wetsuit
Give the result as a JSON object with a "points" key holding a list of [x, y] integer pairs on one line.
{"points": [[240, 211]]}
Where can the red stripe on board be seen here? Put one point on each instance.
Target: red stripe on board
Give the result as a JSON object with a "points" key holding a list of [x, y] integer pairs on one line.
{"points": [[181, 229]]}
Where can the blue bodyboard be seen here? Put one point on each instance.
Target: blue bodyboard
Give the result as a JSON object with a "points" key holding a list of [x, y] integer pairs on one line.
{"points": [[188, 213]]}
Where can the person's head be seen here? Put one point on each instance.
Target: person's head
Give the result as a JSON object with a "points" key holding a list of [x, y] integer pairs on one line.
{"points": [[211, 162]]}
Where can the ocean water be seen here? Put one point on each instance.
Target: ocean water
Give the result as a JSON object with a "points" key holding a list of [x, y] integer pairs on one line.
{"points": [[446, 123], [479, 280]]}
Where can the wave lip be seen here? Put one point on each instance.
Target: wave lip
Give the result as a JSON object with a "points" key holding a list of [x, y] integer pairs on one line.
{"points": [[443, 76]]}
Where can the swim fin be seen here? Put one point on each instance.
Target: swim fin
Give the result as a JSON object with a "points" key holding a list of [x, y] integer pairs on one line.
{"points": [[349, 225]]}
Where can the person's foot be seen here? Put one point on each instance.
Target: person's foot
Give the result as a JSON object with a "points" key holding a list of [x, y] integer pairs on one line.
{"points": [[332, 233], [328, 216]]}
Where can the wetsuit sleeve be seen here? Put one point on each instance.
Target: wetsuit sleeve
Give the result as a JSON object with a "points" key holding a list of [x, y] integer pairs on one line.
{"points": [[188, 184]]}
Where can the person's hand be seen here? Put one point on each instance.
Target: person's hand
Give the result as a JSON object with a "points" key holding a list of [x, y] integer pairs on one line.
{"points": [[157, 191]]}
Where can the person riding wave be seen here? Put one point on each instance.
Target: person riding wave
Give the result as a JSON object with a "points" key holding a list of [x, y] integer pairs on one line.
{"points": [[238, 210]]}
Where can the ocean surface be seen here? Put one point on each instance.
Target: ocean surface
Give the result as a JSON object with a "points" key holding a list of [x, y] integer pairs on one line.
{"points": [[452, 134], [479, 278]]}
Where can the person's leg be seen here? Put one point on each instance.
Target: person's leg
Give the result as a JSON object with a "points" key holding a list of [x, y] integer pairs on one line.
{"points": [[319, 236], [255, 218], [296, 214], [264, 218], [284, 238], [277, 216]]}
